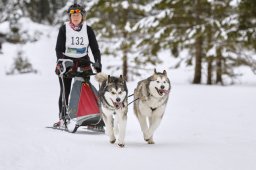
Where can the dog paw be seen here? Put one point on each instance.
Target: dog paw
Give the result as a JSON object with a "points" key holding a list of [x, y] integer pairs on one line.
{"points": [[121, 145], [112, 141], [151, 142], [146, 136]]}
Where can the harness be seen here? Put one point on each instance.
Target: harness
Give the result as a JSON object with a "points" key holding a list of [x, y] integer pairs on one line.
{"points": [[153, 109]]}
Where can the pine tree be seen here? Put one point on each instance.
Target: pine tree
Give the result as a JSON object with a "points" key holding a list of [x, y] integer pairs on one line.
{"points": [[1, 10], [154, 31], [247, 31], [247, 16], [189, 18], [113, 21], [15, 12], [206, 28], [174, 25], [224, 26], [39, 11]]}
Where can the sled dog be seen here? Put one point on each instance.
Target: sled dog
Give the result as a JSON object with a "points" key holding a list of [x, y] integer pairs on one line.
{"points": [[151, 96], [113, 100]]}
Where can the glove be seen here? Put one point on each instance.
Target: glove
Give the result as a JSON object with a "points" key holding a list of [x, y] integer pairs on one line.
{"points": [[57, 69], [70, 73], [97, 66]]}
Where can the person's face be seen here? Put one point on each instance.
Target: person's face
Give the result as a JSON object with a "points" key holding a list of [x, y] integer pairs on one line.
{"points": [[76, 18]]}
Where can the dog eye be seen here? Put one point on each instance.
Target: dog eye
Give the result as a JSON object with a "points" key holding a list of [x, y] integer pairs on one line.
{"points": [[120, 92], [113, 92], [164, 81], [158, 81]]}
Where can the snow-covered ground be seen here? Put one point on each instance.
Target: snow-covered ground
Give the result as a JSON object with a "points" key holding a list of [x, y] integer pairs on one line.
{"points": [[204, 127]]}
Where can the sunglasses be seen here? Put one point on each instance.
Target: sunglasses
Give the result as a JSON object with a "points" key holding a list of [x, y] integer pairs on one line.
{"points": [[72, 11]]}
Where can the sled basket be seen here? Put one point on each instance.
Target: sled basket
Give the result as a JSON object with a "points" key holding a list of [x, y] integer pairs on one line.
{"points": [[84, 103], [88, 104]]}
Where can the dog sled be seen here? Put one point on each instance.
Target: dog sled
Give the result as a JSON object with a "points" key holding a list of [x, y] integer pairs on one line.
{"points": [[83, 107]]}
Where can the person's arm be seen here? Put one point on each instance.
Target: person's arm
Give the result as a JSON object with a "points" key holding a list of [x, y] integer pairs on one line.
{"points": [[94, 45], [61, 42]]}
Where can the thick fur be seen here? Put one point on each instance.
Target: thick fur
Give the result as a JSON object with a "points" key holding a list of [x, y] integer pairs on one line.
{"points": [[113, 97], [152, 96]]}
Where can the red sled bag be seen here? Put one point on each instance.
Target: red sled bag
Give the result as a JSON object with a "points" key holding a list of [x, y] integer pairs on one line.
{"points": [[87, 104], [83, 104]]}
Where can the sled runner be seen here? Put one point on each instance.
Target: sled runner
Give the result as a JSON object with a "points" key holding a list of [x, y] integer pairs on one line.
{"points": [[83, 107]]}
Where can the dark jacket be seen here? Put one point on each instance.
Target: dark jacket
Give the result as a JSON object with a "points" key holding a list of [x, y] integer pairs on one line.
{"points": [[61, 42]]}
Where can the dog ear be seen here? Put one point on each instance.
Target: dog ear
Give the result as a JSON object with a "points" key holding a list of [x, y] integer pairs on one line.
{"points": [[122, 78], [155, 71], [164, 72], [109, 78]]}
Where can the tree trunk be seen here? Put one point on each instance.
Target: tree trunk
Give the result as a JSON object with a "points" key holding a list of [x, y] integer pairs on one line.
{"points": [[219, 66], [198, 60], [124, 48], [125, 67], [209, 70], [198, 46]]}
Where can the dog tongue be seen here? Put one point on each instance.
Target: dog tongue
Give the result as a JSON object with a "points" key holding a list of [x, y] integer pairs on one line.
{"points": [[117, 105], [164, 91]]}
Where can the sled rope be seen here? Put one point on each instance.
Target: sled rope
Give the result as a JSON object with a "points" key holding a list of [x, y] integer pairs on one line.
{"points": [[133, 101], [130, 95]]}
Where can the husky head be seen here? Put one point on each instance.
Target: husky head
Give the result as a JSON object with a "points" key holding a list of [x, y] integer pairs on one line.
{"points": [[116, 91], [159, 84]]}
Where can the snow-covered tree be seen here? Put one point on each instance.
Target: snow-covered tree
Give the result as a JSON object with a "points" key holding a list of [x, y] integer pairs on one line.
{"points": [[113, 22], [247, 31], [206, 27]]}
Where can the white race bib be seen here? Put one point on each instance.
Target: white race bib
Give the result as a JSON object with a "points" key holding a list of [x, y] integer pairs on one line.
{"points": [[77, 42]]}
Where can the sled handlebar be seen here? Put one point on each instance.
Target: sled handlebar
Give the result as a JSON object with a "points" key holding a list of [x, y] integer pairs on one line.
{"points": [[84, 74], [71, 73]]}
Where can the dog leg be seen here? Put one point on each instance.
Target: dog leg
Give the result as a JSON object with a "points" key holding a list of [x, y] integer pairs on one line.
{"points": [[109, 128], [116, 130], [154, 123], [122, 120], [144, 112], [143, 125], [149, 138]]}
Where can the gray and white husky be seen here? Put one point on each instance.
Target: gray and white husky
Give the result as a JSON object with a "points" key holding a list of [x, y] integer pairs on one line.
{"points": [[152, 96], [113, 97]]}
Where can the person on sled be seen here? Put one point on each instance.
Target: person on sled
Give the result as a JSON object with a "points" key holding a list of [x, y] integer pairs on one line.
{"points": [[74, 39]]}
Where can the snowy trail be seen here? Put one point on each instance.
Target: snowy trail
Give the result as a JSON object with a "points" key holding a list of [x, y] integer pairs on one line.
{"points": [[204, 128]]}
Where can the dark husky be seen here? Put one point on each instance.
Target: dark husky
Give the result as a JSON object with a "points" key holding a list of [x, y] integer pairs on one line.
{"points": [[113, 97]]}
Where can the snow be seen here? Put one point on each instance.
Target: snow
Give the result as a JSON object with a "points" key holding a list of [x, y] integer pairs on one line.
{"points": [[204, 127], [125, 4], [211, 51], [4, 26]]}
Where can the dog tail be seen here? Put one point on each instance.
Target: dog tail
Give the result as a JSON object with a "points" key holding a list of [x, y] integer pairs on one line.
{"points": [[100, 77]]}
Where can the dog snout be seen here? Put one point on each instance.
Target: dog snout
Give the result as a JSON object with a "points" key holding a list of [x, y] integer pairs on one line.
{"points": [[118, 99], [162, 87]]}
